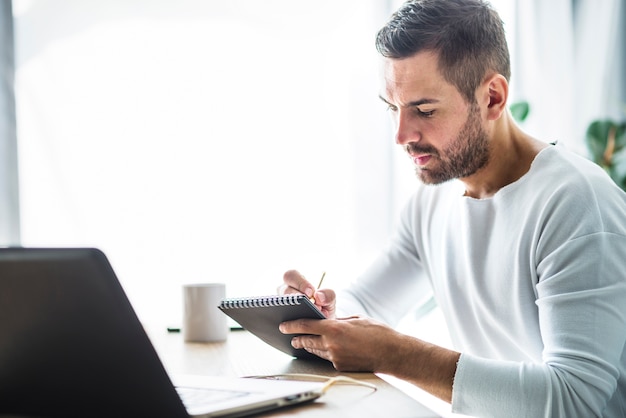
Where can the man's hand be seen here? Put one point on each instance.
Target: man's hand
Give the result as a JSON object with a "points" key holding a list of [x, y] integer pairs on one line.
{"points": [[351, 344], [324, 299], [362, 344]]}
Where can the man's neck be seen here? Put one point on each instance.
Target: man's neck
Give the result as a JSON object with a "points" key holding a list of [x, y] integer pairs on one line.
{"points": [[511, 154]]}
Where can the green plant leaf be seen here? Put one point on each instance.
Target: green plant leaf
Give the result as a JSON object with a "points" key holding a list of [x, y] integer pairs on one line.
{"points": [[596, 139], [620, 136], [617, 171], [520, 110]]}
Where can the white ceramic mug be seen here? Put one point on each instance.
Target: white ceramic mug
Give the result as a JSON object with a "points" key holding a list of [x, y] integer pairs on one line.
{"points": [[202, 320]]}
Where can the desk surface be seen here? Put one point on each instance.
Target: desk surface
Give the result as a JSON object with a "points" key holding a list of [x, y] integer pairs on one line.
{"points": [[245, 355]]}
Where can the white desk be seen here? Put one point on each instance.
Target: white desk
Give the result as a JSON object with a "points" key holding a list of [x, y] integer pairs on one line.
{"points": [[245, 355]]}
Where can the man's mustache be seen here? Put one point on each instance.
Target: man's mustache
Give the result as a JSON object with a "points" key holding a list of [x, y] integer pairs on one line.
{"points": [[420, 149]]}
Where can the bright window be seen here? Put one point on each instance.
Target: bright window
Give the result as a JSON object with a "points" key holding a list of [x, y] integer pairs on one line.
{"points": [[204, 140]]}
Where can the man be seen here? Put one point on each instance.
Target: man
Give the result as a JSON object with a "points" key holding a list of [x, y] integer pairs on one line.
{"points": [[522, 243]]}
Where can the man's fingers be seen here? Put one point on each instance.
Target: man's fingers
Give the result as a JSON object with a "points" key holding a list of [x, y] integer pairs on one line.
{"points": [[324, 297], [296, 283], [300, 326]]}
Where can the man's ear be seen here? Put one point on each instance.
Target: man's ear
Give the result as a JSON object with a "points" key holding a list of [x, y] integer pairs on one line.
{"points": [[496, 95]]}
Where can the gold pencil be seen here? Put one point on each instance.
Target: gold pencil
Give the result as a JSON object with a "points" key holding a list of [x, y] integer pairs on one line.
{"points": [[319, 285], [321, 280]]}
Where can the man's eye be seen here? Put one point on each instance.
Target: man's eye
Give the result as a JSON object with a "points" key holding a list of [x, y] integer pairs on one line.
{"points": [[425, 113], [392, 108]]}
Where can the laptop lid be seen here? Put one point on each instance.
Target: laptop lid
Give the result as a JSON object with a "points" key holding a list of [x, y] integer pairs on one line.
{"points": [[71, 344]]}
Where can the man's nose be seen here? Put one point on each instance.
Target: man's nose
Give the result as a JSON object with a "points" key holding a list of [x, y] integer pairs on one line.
{"points": [[406, 129]]}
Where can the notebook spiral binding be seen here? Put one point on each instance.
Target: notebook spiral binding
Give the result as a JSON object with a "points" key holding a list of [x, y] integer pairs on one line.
{"points": [[262, 301]]}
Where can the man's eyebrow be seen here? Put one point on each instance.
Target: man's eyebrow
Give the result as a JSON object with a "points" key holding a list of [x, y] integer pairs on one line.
{"points": [[413, 103], [422, 102], [384, 100]]}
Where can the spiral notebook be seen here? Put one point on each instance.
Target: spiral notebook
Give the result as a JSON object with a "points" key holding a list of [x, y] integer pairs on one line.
{"points": [[261, 316]]}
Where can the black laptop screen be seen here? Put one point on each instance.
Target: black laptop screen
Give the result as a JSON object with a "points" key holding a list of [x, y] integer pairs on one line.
{"points": [[70, 342]]}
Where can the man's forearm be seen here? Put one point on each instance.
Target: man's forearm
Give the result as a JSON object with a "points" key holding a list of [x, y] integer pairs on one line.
{"points": [[426, 365]]}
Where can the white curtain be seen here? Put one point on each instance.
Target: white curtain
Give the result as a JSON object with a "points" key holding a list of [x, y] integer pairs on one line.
{"points": [[600, 60], [568, 63], [542, 48], [9, 194]]}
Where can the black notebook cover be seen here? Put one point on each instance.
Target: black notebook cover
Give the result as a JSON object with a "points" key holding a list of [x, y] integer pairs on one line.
{"points": [[262, 315]]}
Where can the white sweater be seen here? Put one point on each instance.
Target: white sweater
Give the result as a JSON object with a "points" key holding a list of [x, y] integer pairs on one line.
{"points": [[532, 283]]}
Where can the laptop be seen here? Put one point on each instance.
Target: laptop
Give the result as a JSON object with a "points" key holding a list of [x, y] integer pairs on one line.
{"points": [[71, 345]]}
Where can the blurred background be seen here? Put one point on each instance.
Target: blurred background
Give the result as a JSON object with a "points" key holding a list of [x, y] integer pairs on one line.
{"points": [[229, 141]]}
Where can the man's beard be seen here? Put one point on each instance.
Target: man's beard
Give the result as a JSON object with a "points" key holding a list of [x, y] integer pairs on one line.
{"points": [[467, 154]]}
